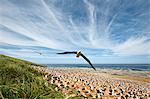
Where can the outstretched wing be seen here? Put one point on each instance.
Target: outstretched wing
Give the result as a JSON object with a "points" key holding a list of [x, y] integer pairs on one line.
{"points": [[88, 61], [67, 53]]}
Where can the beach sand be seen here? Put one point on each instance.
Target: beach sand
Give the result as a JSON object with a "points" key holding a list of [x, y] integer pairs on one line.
{"points": [[100, 84]]}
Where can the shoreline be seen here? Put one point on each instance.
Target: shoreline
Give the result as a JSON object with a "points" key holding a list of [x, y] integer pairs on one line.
{"points": [[129, 67], [119, 72]]}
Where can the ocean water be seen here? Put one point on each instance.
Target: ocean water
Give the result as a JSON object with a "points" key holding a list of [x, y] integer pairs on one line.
{"points": [[135, 67]]}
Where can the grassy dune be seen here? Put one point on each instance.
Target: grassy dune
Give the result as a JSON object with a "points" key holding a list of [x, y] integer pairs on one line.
{"points": [[19, 80]]}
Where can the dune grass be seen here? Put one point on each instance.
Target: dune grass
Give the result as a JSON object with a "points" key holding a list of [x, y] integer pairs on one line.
{"points": [[19, 80]]}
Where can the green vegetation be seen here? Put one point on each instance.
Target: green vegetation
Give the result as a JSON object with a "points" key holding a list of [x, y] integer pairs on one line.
{"points": [[19, 80]]}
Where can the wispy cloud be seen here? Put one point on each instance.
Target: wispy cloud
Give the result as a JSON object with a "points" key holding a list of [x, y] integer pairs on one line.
{"points": [[134, 46], [108, 27]]}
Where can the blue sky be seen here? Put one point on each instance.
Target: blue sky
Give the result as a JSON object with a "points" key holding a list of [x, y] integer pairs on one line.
{"points": [[107, 31]]}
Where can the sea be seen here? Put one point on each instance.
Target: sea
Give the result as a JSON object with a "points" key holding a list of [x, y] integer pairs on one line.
{"points": [[134, 67]]}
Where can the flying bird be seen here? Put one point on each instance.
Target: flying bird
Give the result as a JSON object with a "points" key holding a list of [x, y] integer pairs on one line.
{"points": [[78, 54], [39, 53]]}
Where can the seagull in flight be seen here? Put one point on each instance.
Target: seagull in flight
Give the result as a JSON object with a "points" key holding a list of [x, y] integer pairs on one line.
{"points": [[78, 54], [39, 53]]}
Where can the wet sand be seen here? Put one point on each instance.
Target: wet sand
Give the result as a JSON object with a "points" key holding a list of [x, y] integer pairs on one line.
{"points": [[101, 84]]}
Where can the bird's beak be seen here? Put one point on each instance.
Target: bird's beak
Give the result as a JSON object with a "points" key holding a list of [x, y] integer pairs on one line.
{"points": [[77, 56]]}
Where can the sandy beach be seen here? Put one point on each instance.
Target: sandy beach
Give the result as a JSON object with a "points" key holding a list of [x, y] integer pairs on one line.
{"points": [[101, 84]]}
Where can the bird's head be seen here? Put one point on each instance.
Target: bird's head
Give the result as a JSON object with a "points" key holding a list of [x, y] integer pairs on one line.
{"points": [[78, 54]]}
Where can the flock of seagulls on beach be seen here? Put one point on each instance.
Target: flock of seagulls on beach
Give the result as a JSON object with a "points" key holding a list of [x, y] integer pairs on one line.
{"points": [[94, 84]]}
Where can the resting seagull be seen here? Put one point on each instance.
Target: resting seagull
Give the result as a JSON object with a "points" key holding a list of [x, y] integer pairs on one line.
{"points": [[78, 54]]}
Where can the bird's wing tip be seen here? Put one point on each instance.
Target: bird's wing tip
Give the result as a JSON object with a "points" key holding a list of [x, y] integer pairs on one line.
{"points": [[58, 53]]}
